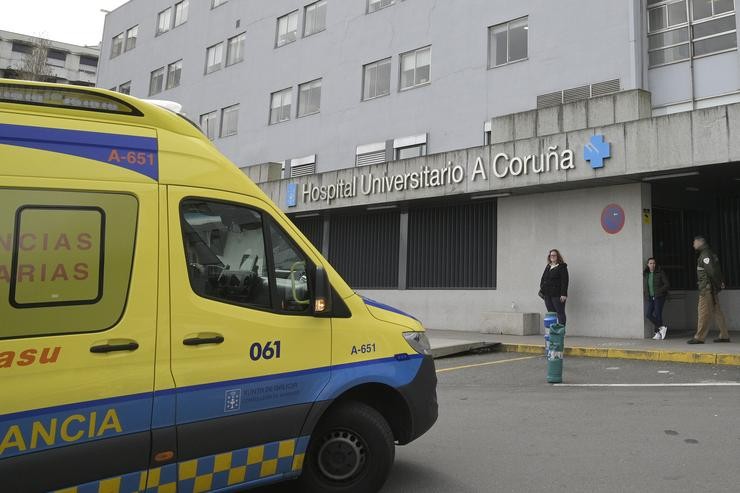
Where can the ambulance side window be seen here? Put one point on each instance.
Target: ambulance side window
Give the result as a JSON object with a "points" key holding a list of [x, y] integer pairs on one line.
{"points": [[65, 260], [291, 273], [225, 252]]}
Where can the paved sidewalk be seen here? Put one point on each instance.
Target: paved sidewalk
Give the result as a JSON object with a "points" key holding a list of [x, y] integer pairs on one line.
{"points": [[672, 349]]}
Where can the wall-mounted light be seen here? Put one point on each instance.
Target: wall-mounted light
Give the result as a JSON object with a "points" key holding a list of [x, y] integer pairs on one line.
{"points": [[490, 196], [673, 175]]}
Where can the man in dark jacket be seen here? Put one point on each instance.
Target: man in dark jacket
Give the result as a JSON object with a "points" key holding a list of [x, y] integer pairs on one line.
{"points": [[710, 283]]}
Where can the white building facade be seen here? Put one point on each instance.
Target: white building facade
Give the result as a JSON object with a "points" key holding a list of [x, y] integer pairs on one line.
{"points": [[602, 128]]}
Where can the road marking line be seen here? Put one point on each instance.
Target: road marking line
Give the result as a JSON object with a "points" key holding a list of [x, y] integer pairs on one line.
{"points": [[441, 370], [703, 384]]}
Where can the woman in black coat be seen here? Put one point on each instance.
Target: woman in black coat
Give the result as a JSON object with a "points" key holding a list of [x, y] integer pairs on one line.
{"points": [[554, 285]]}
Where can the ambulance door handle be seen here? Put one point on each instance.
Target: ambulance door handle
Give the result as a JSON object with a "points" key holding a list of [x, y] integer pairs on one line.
{"points": [[199, 339], [111, 347]]}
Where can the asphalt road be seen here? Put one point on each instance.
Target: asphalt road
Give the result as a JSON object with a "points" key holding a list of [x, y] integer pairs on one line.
{"points": [[503, 429]]}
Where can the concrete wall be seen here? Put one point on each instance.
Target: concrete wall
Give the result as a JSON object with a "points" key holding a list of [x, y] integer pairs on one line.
{"points": [[680, 312], [452, 109], [605, 295]]}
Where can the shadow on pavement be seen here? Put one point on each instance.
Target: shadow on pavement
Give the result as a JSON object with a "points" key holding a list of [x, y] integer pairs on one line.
{"points": [[404, 476]]}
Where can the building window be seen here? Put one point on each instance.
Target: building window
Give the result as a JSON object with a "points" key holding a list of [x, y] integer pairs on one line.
{"points": [[280, 103], [376, 79], [181, 12], [164, 20], [507, 42], [116, 47], [208, 124], [214, 56], [125, 88], [57, 55], [374, 5], [674, 35], [229, 120], [411, 151], [416, 67], [409, 147], [287, 29], [217, 3], [714, 28], [89, 61], [27, 49], [668, 32], [131, 35], [703, 9], [156, 81], [174, 70], [309, 98], [314, 18], [235, 49]]}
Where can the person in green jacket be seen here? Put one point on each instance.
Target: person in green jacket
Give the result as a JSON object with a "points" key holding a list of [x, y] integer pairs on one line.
{"points": [[655, 289], [710, 282]]}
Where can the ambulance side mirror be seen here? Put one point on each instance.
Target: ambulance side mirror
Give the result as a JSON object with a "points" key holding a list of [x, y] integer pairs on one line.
{"points": [[322, 293]]}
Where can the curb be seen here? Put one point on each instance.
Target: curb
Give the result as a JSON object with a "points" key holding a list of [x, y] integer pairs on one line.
{"points": [[635, 354]]}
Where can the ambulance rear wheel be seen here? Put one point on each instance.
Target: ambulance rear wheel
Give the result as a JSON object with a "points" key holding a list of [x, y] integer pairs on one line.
{"points": [[352, 450]]}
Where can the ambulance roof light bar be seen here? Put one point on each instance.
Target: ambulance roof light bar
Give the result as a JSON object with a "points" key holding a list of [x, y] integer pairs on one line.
{"points": [[65, 97]]}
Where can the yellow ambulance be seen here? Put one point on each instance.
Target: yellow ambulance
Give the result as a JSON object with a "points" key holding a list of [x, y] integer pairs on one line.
{"points": [[164, 327]]}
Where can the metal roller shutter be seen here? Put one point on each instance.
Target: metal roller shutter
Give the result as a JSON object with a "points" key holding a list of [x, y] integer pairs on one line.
{"points": [[452, 247], [364, 249]]}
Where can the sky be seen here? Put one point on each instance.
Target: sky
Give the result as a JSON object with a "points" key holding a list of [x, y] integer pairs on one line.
{"points": [[78, 22]]}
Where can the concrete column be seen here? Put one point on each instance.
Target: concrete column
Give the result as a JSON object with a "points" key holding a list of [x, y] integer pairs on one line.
{"points": [[647, 234], [325, 238], [403, 250]]}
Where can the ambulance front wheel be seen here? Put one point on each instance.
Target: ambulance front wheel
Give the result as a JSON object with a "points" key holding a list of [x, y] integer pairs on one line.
{"points": [[352, 450]]}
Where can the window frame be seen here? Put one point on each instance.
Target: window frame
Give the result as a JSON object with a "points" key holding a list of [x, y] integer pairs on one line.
{"points": [[170, 72], [211, 115], [287, 25], [151, 79], [224, 111], [14, 263], [159, 28], [218, 66], [377, 63], [320, 80], [281, 93], [182, 5], [241, 44], [381, 7], [509, 61], [713, 15], [422, 151], [316, 6], [120, 41], [689, 26], [415, 52], [705, 20], [663, 5], [135, 30], [121, 86], [217, 3]]}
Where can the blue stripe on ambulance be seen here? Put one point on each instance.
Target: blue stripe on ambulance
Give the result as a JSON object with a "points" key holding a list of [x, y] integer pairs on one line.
{"points": [[385, 307], [105, 418], [138, 154]]}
